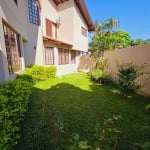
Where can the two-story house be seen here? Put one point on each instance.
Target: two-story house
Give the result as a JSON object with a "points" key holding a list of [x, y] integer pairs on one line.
{"points": [[42, 32]]}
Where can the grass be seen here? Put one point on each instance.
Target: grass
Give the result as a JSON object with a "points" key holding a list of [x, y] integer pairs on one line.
{"points": [[62, 107]]}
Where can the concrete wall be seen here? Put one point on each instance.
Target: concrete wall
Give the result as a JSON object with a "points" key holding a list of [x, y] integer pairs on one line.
{"points": [[138, 54]]}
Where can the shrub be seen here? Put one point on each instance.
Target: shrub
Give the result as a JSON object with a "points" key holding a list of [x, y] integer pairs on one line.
{"points": [[128, 73], [14, 98], [102, 64], [97, 75], [40, 73], [100, 73], [107, 135], [26, 77], [50, 72]]}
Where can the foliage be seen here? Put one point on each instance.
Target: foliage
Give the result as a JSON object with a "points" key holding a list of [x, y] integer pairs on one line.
{"points": [[61, 107], [147, 107], [106, 38], [40, 73], [100, 73], [102, 64], [139, 42], [107, 134], [14, 98], [128, 73], [96, 75], [76, 144]]}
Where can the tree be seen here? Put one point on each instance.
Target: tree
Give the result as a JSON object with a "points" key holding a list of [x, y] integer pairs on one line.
{"points": [[106, 38]]}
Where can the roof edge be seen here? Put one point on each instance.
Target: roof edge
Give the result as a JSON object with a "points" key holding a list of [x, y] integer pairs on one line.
{"points": [[84, 12]]}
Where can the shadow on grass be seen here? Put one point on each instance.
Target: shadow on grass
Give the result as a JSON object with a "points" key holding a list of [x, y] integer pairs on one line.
{"points": [[56, 114]]}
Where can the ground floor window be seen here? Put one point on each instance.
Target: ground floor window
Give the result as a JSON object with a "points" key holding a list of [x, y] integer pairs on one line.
{"points": [[49, 56], [63, 56], [12, 49], [73, 57]]}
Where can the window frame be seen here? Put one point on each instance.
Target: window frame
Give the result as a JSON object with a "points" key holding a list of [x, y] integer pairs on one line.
{"points": [[13, 52], [47, 59], [73, 57], [84, 31], [63, 56], [51, 28], [34, 12]]}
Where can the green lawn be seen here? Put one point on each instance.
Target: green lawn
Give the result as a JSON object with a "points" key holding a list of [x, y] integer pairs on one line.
{"points": [[62, 107]]}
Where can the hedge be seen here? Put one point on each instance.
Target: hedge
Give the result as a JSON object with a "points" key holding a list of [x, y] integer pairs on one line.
{"points": [[14, 99], [40, 73]]}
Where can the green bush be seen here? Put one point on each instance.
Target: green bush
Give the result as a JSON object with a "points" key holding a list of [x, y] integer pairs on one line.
{"points": [[102, 64], [128, 73], [100, 73], [40, 73], [14, 98], [97, 75], [50, 72]]}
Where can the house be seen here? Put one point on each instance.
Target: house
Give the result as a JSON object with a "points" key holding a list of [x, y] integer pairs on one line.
{"points": [[49, 32]]}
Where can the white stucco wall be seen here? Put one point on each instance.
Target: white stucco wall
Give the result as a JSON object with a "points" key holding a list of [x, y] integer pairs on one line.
{"points": [[14, 15], [70, 29], [80, 41], [65, 30]]}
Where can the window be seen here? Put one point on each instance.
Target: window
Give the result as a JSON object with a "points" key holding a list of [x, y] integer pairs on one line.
{"points": [[16, 2], [49, 56], [84, 31], [12, 50], [63, 55], [33, 12], [73, 57], [51, 30]]}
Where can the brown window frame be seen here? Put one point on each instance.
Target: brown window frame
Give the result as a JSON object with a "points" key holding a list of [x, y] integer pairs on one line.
{"points": [[84, 31], [49, 29], [12, 49], [73, 57], [63, 56], [49, 56]]}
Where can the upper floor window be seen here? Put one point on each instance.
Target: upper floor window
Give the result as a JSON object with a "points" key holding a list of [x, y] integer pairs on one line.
{"points": [[33, 12], [51, 29], [84, 31], [16, 2]]}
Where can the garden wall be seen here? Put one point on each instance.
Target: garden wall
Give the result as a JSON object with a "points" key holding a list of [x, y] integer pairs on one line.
{"points": [[138, 54]]}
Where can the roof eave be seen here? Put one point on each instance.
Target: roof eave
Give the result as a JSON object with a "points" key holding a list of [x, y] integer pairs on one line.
{"points": [[84, 12]]}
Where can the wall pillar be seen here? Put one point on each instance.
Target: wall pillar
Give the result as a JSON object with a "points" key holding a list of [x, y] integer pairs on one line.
{"points": [[4, 73]]}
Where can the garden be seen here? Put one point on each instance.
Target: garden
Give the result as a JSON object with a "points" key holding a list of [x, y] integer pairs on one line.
{"points": [[71, 113]]}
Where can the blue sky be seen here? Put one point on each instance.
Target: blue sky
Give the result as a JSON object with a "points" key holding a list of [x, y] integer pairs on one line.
{"points": [[133, 15]]}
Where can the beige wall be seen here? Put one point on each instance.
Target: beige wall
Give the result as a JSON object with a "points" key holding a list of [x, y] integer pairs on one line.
{"points": [[65, 29], [80, 41], [70, 29], [138, 54]]}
